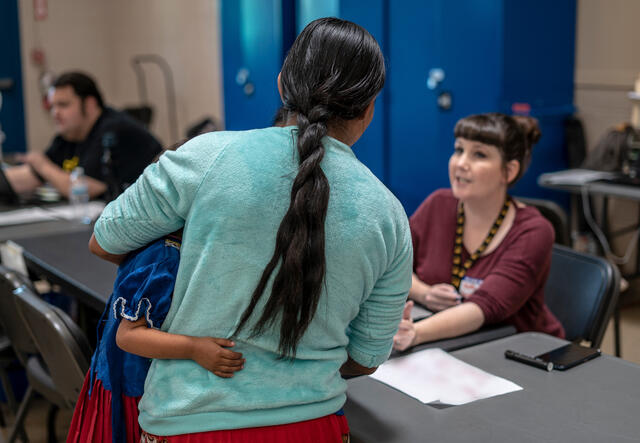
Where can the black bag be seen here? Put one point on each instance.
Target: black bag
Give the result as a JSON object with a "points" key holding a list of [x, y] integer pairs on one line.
{"points": [[617, 151]]}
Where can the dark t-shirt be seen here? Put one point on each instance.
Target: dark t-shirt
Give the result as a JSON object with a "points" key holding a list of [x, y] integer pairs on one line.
{"points": [[508, 283], [116, 151]]}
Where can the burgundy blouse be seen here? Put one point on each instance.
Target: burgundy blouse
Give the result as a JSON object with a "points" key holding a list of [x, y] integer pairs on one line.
{"points": [[511, 278]]}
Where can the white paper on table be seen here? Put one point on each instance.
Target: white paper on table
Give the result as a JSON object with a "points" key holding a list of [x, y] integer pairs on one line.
{"points": [[38, 214], [434, 375]]}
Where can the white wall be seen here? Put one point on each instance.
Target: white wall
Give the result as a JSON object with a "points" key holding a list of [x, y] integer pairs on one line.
{"points": [[187, 35], [607, 65], [607, 62], [74, 36], [100, 37]]}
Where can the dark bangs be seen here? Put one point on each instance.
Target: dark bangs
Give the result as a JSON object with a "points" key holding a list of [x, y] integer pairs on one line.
{"points": [[483, 128]]}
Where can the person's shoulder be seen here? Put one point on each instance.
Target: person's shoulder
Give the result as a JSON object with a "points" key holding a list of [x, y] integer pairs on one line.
{"points": [[365, 194], [111, 117], [443, 195], [530, 216], [373, 193], [211, 147], [236, 138], [440, 199], [529, 220], [114, 123]]}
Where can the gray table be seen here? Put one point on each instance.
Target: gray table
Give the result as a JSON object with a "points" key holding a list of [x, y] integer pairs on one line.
{"points": [[33, 230], [64, 259], [597, 401], [36, 229], [486, 334]]}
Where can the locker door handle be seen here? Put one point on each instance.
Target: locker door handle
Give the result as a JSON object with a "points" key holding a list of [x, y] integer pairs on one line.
{"points": [[242, 76], [436, 76], [244, 81]]}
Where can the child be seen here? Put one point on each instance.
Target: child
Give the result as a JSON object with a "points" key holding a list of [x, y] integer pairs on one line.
{"points": [[107, 408]]}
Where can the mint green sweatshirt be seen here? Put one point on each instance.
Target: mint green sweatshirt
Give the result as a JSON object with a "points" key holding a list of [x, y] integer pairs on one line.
{"points": [[230, 190]]}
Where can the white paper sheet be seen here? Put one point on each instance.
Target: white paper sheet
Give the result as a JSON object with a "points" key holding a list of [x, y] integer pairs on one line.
{"points": [[38, 214], [434, 375]]}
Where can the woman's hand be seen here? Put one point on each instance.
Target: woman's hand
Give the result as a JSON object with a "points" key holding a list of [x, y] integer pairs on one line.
{"points": [[406, 335], [211, 354], [441, 296]]}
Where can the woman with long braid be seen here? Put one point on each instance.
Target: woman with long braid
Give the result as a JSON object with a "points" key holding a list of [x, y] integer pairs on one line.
{"points": [[291, 248]]}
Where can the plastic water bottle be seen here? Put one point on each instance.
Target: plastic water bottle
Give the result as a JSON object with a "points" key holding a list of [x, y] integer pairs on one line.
{"points": [[79, 196]]}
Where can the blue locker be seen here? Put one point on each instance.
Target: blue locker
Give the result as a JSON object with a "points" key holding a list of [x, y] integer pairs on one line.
{"points": [[445, 60], [253, 35], [492, 55], [539, 69], [12, 112]]}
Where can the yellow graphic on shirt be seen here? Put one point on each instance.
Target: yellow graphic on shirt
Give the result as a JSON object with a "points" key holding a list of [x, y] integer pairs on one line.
{"points": [[70, 164]]}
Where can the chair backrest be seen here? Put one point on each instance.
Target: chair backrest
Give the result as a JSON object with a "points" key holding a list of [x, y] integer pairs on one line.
{"points": [[11, 318], [582, 291], [142, 114], [555, 214], [62, 345]]}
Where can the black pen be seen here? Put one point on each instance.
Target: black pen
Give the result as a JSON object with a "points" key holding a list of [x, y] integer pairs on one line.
{"points": [[527, 360]]}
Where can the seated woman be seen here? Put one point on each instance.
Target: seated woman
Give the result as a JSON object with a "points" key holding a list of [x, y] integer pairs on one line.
{"points": [[481, 257]]}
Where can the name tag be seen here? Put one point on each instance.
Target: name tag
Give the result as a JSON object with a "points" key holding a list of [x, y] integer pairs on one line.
{"points": [[469, 285]]}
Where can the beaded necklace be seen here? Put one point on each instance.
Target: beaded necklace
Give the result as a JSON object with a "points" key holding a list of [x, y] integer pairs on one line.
{"points": [[459, 269]]}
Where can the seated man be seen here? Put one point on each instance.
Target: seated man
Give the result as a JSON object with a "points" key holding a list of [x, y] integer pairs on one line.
{"points": [[112, 148]]}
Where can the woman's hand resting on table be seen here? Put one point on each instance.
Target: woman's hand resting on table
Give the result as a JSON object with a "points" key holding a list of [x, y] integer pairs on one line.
{"points": [[406, 335], [441, 296]]}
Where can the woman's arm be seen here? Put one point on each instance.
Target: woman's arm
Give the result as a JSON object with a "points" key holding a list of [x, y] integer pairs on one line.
{"points": [[453, 322], [208, 352]]}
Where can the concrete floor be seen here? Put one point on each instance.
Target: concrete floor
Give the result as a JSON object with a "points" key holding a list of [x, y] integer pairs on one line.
{"points": [[35, 422]]}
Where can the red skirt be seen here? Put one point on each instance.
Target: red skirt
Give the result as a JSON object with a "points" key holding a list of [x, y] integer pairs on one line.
{"points": [[92, 416], [328, 429], [92, 423]]}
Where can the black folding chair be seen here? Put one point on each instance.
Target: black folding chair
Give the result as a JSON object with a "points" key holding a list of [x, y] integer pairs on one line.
{"points": [[18, 336], [54, 351], [582, 291], [63, 346], [7, 357]]}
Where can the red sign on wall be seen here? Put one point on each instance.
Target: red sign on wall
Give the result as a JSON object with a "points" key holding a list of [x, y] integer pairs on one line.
{"points": [[40, 10]]}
